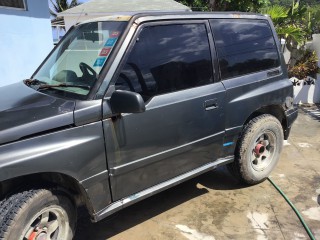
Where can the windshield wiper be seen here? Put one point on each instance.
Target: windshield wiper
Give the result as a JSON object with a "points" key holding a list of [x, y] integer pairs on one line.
{"points": [[45, 86], [34, 82]]}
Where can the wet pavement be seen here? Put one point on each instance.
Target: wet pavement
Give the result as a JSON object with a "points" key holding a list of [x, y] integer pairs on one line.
{"points": [[216, 206]]}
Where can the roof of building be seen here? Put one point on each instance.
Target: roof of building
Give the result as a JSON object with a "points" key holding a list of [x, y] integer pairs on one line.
{"points": [[100, 7]]}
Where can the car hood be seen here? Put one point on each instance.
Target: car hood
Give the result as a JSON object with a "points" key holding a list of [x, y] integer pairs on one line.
{"points": [[25, 112]]}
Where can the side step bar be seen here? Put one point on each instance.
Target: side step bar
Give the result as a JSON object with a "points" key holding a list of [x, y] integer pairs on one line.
{"points": [[125, 202]]}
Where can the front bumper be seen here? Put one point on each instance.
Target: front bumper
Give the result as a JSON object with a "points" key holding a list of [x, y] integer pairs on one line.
{"points": [[291, 116]]}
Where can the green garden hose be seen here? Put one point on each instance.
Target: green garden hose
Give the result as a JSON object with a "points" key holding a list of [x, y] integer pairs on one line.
{"points": [[294, 209]]}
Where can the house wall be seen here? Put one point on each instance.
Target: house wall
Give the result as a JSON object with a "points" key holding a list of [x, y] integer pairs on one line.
{"points": [[25, 40]]}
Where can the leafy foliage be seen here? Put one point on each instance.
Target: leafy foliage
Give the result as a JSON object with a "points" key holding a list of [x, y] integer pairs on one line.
{"points": [[225, 5], [292, 33], [304, 14], [196, 5], [61, 5], [243, 5], [289, 2], [306, 66], [277, 13]]}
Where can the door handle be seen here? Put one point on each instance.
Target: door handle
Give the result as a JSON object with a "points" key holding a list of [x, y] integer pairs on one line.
{"points": [[210, 104]]}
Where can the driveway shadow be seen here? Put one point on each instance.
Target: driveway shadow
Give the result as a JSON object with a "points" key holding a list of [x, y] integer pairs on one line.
{"points": [[219, 179]]}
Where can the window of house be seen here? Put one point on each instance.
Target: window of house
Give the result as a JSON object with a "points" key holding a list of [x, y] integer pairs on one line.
{"points": [[244, 46], [20, 4], [167, 58]]}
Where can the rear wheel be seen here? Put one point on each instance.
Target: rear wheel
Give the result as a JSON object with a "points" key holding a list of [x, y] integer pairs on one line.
{"points": [[37, 214], [258, 149]]}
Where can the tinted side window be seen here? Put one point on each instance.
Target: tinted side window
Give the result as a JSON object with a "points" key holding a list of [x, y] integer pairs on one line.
{"points": [[244, 46], [167, 58]]}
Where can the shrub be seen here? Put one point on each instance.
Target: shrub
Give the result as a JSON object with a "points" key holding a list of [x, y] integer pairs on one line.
{"points": [[306, 66]]}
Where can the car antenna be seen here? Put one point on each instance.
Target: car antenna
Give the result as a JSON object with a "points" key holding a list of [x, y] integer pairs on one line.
{"points": [[79, 17]]}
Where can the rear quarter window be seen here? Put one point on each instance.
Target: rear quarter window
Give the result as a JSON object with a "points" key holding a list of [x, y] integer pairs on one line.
{"points": [[244, 46]]}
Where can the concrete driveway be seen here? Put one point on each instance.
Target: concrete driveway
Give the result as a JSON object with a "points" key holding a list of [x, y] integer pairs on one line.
{"points": [[215, 206]]}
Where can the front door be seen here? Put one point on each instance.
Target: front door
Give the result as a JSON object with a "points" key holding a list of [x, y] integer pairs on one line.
{"points": [[170, 65]]}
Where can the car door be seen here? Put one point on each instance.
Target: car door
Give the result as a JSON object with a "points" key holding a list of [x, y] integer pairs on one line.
{"points": [[170, 65]]}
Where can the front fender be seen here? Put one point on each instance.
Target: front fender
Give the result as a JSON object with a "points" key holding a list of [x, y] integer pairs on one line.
{"points": [[78, 152]]}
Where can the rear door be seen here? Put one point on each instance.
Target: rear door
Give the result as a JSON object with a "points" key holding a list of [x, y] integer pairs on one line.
{"points": [[170, 65]]}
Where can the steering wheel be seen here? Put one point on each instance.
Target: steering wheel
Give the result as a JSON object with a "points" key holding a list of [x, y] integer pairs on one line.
{"points": [[87, 71]]}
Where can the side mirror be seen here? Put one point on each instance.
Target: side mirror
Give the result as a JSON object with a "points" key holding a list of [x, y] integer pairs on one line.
{"points": [[126, 102]]}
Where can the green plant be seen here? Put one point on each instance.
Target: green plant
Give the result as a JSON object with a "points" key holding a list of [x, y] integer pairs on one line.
{"points": [[225, 5], [61, 5], [277, 13], [196, 5], [306, 66]]}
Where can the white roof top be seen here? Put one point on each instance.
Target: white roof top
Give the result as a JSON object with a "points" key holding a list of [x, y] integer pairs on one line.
{"points": [[103, 7]]}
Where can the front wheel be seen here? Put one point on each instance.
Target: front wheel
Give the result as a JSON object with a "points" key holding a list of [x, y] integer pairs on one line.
{"points": [[37, 214], [258, 149]]}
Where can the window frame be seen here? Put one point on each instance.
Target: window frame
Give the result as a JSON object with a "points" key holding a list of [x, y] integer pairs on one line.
{"points": [[214, 59], [255, 72], [25, 8]]}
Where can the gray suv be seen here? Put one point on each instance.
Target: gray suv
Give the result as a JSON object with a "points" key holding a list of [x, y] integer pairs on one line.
{"points": [[127, 106]]}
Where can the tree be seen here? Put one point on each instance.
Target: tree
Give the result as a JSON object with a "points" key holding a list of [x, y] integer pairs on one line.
{"points": [[61, 5], [237, 5], [225, 5], [196, 5], [288, 3]]}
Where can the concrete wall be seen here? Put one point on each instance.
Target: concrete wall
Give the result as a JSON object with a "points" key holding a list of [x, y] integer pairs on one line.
{"points": [[316, 45], [25, 40]]}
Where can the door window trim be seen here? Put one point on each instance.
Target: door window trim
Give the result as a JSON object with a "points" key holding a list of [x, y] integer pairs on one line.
{"points": [[205, 22], [214, 55]]}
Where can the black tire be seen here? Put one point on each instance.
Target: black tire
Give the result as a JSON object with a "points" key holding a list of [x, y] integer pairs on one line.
{"points": [[28, 214], [258, 149]]}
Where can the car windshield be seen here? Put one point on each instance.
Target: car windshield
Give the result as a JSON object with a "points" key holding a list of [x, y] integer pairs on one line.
{"points": [[74, 66]]}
